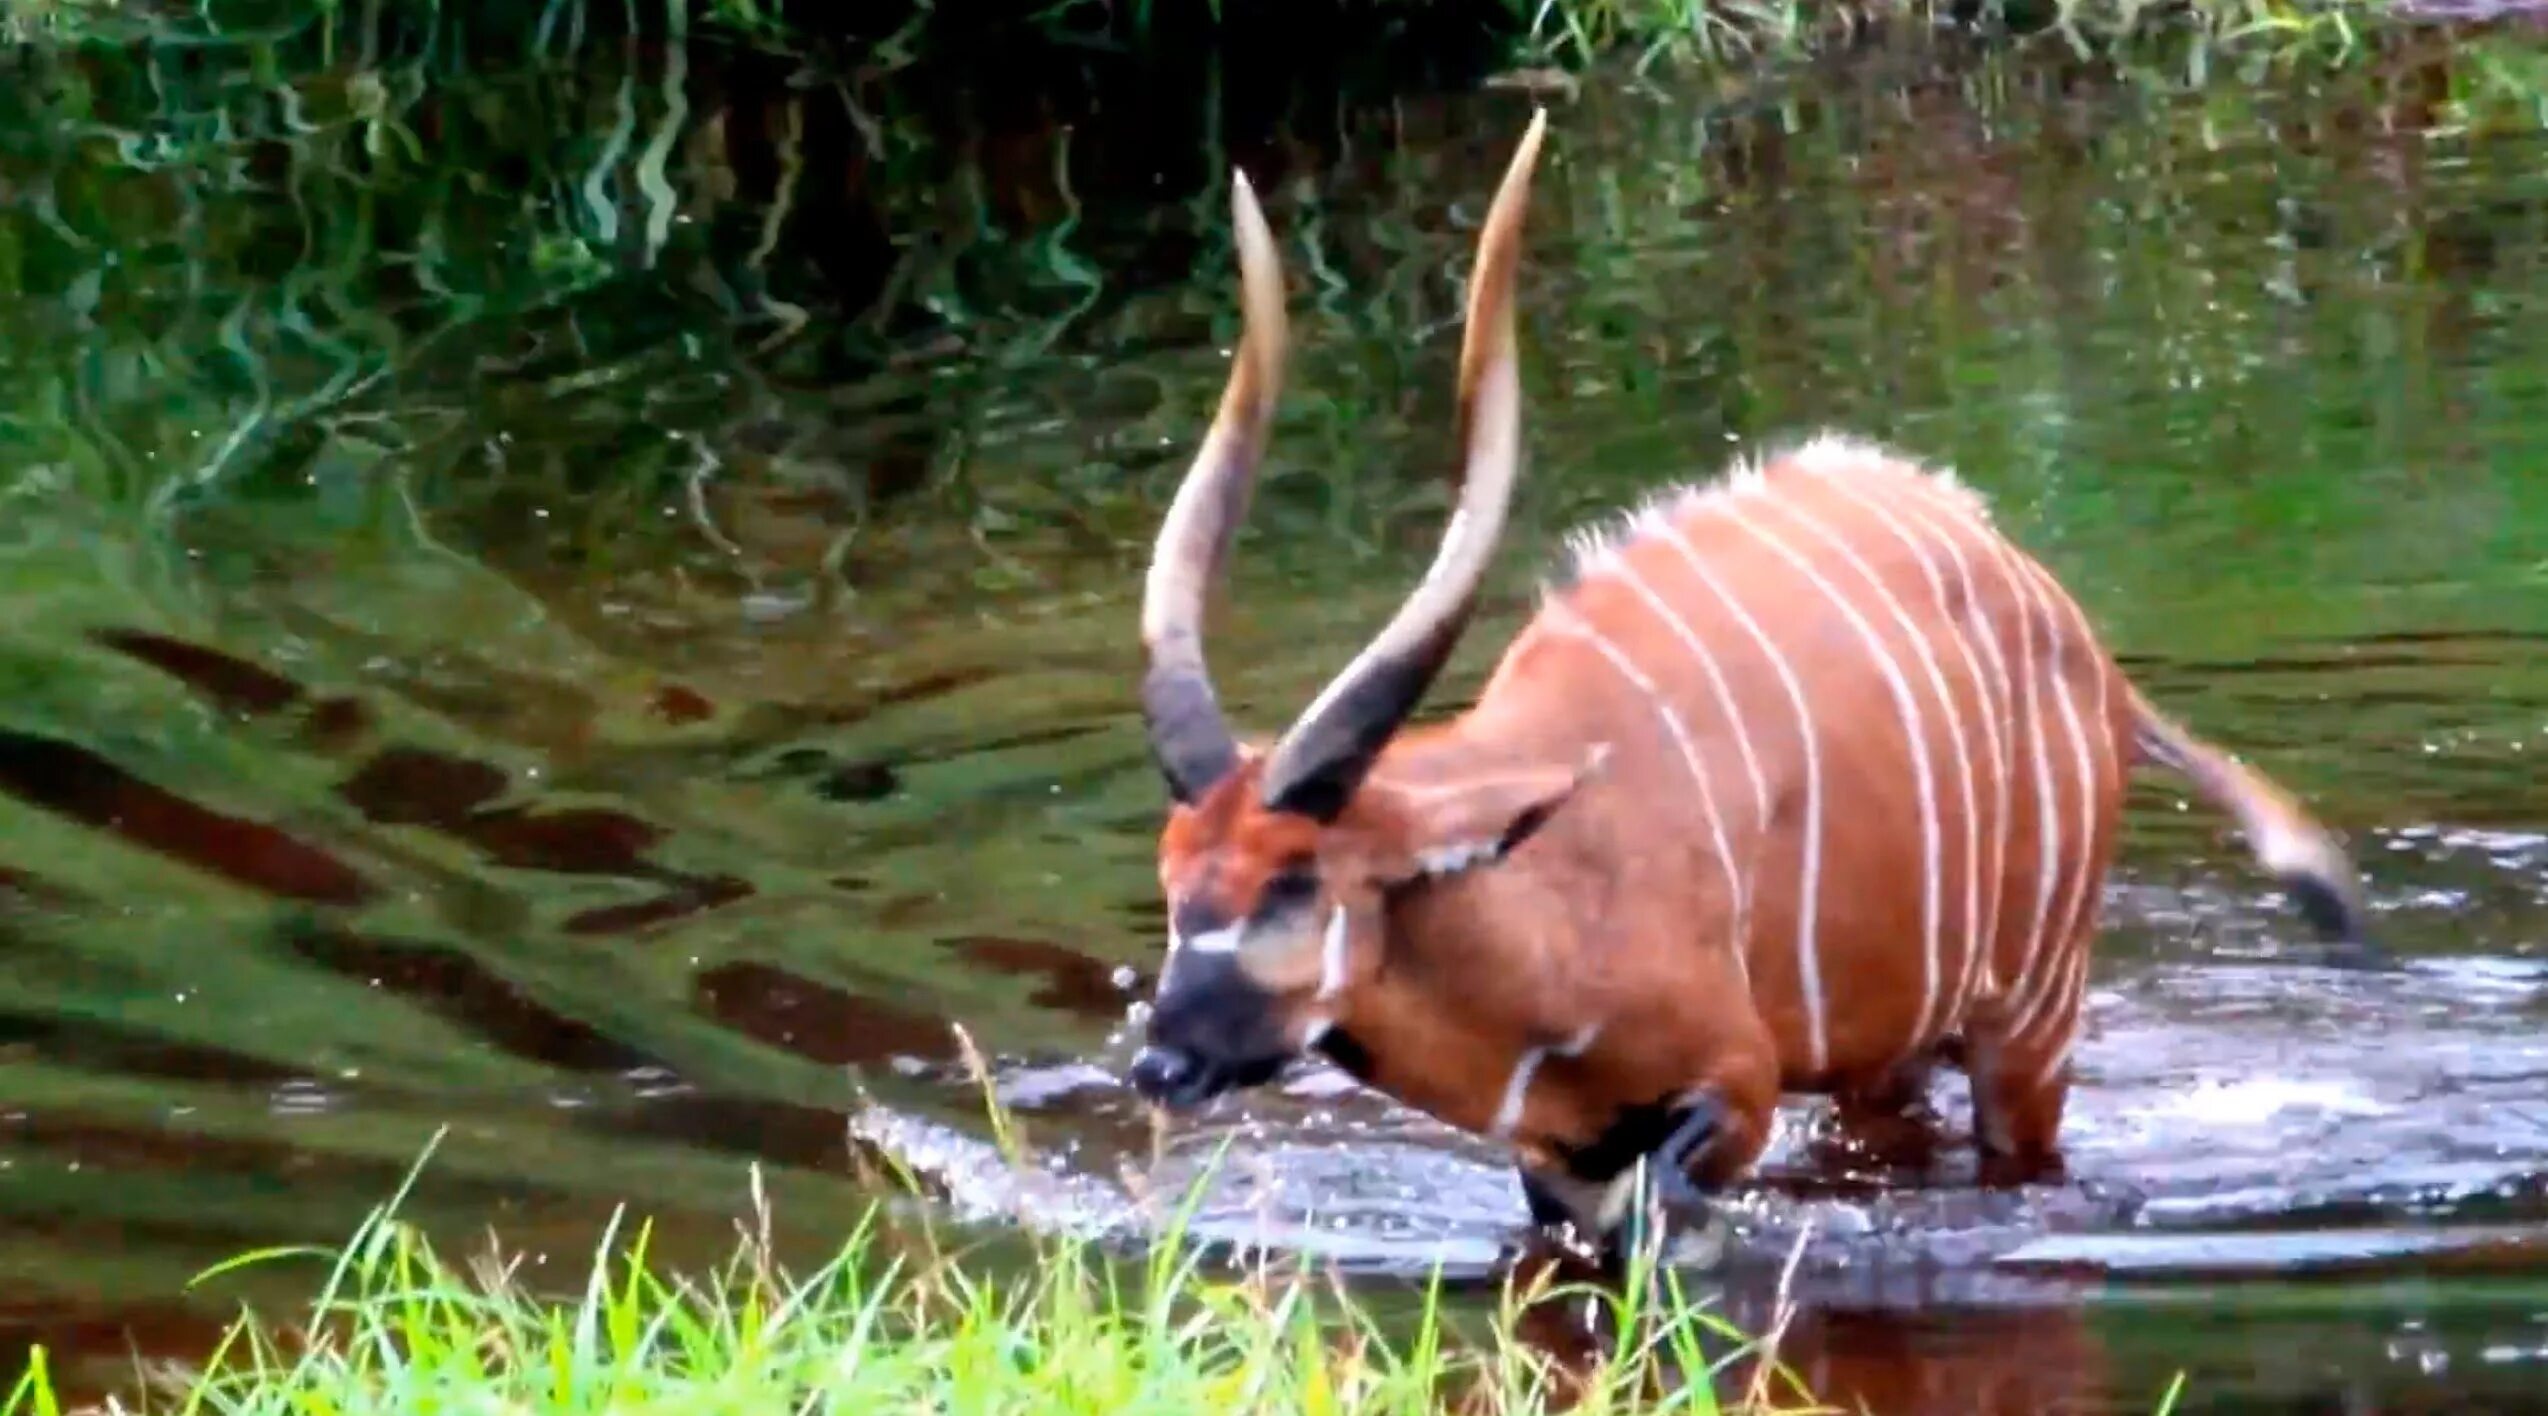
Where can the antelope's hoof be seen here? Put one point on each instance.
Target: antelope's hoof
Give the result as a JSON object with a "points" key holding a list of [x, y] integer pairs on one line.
{"points": [[1691, 1131], [1681, 1195]]}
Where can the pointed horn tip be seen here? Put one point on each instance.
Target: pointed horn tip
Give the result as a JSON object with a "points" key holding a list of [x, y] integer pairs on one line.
{"points": [[1499, 242], [1247, 214], [1260, 265], [1243, 204], [1247, 219], [1527, 151]]}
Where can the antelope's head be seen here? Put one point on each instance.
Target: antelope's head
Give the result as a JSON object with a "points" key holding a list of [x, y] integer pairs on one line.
{"points": [[1277, 864]]}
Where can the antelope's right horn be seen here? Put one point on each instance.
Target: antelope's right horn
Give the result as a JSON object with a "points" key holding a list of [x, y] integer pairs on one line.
{"points": [[1318, 764], [1189, 736]]}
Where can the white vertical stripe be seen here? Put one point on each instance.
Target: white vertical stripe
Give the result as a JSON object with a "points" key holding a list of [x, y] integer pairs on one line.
{"points": [[2048, 989], [2056, 1020], [1680, 628], [1564, 620], [1742, 931], [1950, 1011], [2096, 779], [1809, 888], [1913, 728], [2071, 869], [1331, 968], [1517, 1087], [2063, 1016], [1997, 718], [1997, 549], [2047, 812], [1809, 885]]}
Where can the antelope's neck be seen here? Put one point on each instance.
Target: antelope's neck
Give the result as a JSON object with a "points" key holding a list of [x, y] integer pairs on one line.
{"points": [[1425, 1041], [1460, 1000]]}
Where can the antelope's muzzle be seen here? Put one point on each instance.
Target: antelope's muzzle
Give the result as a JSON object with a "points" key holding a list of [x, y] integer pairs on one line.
{"points": [[1212, 1030]]}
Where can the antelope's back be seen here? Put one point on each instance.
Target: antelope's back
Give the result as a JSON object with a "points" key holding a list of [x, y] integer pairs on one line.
{"points": [[1887, 733]]}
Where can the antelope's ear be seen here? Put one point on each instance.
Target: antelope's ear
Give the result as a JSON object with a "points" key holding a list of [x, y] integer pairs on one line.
{"points": [[1455, 823]]}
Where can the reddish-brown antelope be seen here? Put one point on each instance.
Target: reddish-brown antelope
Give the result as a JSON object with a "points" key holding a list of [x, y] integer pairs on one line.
{"points": [[1803, 781]]}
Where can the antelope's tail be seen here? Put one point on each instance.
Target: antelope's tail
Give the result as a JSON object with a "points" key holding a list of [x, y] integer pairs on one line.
{"points": [[2301, 855]]}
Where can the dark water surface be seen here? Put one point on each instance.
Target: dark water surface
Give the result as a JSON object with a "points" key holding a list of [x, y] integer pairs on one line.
{"points": [[490, 644]]}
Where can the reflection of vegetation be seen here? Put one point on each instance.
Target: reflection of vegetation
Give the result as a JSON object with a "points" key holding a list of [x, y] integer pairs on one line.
{"points": [[333, 256], [356, 258], [892, 36], [383, 334]]}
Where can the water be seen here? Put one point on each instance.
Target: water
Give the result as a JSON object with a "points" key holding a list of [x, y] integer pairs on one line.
{"points": [[527, 614]]}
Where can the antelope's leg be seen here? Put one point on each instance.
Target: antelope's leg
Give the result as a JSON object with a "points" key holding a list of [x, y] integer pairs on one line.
{"points": [[1569, 1211], [1547, 1209], [1719, 1134], [1888, 1119], [2021, 1080], [1716, 1128], [1709, 1142], [1900, 1090], [1695, 1126]]}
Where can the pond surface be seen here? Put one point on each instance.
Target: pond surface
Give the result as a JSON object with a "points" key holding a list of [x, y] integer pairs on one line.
{"points": [[495, 646]]}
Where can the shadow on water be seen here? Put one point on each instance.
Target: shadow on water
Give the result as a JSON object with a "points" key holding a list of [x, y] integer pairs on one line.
{"points": [[503, 631]]}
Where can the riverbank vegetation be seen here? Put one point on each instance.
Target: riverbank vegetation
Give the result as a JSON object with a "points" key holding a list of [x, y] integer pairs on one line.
{"points": [[904, 33], [903, 1318]]}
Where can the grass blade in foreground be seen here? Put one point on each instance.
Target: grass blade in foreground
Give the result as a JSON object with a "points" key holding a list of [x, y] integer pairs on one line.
{"points": [[898, 1321]]}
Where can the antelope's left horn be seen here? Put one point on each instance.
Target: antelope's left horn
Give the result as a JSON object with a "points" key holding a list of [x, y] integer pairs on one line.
{"points": [[1321, 760], [1189, 737]]}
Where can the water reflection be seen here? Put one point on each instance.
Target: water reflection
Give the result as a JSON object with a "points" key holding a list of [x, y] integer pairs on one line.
{"points": [[474, 662]]}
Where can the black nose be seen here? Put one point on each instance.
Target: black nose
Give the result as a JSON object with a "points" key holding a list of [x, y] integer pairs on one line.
{"points": [[1169, 1076]]}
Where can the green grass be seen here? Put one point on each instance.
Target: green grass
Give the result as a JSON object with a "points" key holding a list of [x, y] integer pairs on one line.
{"points": [[902, 1320], [905, 1318], [1733, 32]]}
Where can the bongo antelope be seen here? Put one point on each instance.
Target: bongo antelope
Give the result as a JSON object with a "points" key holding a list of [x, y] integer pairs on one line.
{"points": [[1804, 780]]}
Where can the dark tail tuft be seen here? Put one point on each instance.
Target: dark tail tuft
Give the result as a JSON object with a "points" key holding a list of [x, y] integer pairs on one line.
{"points": [[2299, 853]]}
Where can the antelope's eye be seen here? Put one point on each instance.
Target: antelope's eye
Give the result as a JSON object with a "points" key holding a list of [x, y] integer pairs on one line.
{"points": [[1294, 887]]}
